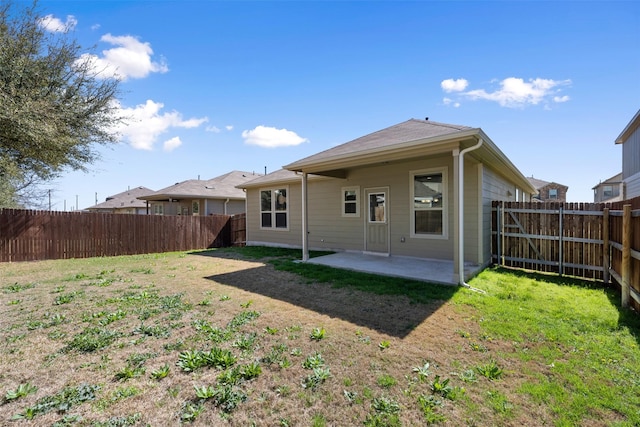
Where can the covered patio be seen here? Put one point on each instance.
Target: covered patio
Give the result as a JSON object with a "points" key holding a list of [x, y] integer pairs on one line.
{"points": [[427, 270]]}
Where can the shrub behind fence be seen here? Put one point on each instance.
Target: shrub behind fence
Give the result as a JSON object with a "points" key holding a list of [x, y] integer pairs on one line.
{"points": [[27, 235]]}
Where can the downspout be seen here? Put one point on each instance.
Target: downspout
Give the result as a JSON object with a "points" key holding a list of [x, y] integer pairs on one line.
{"points": [[461, 215], [225, 206]]}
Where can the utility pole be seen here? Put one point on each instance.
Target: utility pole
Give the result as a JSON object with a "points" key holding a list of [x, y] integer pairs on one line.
{"points": [[76, 202]]}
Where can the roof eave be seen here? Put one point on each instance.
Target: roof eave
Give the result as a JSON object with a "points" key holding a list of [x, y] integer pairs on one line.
{"points": [[629, 129]]}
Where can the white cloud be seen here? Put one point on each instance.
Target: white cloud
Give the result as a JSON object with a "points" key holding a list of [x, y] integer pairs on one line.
{"points": [[145, 123], [55, 25], [515, 92], [213, 129], [172, 144], [451, 85], [449, 101], [131, 58], [264, 136], [229, 127]]}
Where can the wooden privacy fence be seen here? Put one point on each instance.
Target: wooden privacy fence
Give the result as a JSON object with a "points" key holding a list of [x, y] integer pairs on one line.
{"points": [[587, 240], [27, 235]]}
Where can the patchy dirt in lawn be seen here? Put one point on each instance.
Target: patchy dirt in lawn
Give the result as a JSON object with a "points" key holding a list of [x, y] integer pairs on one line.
{"points": [[372, 346]]}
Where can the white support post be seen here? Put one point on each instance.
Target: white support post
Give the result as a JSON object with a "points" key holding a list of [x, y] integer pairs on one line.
{"points": [[305, 220]]}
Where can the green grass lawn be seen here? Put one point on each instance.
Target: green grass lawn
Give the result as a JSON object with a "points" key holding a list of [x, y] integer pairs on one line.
{"points": [[248, 336]]}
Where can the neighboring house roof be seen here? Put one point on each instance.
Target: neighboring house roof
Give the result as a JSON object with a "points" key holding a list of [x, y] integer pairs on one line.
{"points": [[279, 176], [222, 187], [629, 129], [408, 140], [539, 183], [124, 200], [616, 179]]}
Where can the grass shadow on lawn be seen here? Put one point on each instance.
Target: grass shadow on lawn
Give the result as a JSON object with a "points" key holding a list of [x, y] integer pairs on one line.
{"points": [[389, 305]]}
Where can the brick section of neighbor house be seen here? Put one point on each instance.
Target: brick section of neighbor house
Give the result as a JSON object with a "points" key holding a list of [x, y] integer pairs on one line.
{"points": [[549, 191]]}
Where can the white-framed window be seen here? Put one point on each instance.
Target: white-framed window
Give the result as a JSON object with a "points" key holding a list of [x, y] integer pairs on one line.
{"points": [[158, 209], [195, 207], [350, 201], [607, 191], [274, 209], [553, 193], [429, 203]]}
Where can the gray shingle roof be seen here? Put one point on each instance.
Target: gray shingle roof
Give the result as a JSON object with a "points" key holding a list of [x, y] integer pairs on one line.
{"points": [[126, 199], [221, 187], [408, 131]]}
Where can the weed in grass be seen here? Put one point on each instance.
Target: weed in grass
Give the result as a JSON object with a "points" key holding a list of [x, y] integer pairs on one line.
{"points": [[296, 352], [92, 339], [15, 338], [478, 347], [60, 402], [156, 331], [56, 335], [128, 372], [117, 395], [428, 405], [490, 370], [228, 397], [191, 411], [205, 302], [138, 359], [313, 361], [383, 345], [67, 420], [242, 318], [499, 403], [173, 391], [17, 287], [246, 342], [109, 318], [21, 391], [317, 334], [204, 392], [463, 334], [161, 372], [275, 355], [313, 380], [385, 415], [422, 371], [283, 390], [386, 381], [122, 421], [271, 331], [441, 386], [225, 297], [318, 420], [67, 298], [468, 376], [14, 302]]}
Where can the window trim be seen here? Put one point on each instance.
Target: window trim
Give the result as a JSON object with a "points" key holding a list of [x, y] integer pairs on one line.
{"points": [[343, 202], [273, 211], [555, 193], [445, 203], [158, 209]]}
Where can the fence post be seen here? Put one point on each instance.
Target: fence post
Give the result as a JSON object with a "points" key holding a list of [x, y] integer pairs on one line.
{"points": [[605, 245], [499, 232], [626, 255], [561, 243]]}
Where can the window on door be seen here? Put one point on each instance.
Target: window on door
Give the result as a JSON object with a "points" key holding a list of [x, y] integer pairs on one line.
{"points": [[274, 208], [377, 207], [428, 203]]}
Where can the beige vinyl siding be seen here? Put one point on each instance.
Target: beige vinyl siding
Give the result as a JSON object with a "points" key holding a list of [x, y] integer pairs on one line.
{"points": [[631, 158], [472, 211], [329, 230], [290, 237], [632, 186], [494, 187]]}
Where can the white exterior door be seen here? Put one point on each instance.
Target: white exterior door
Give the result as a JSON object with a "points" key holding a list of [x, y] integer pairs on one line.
{"points": [[377, 222]]}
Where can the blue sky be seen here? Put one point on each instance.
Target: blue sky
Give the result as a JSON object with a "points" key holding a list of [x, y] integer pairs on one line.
{"points": [[220, 86]]}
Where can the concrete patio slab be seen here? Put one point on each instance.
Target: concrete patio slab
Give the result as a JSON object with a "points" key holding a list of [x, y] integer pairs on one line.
{"points": [[427, 270]]}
